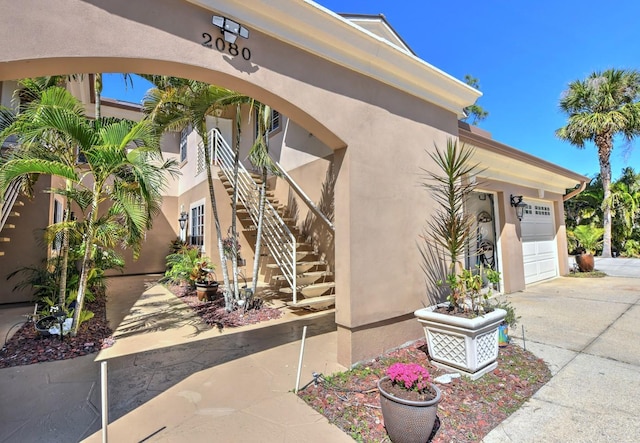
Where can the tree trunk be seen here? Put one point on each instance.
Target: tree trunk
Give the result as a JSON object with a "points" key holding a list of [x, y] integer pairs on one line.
{"points": [[86, 261], [604, 142], [256, 259], [97, 87], [64, 250], [228, 302]]}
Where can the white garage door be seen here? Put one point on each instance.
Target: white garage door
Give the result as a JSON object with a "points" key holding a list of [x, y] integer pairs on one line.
{"points": [[539, 250]]}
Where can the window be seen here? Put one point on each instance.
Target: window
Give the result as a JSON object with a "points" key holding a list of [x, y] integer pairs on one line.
{"points": [[57, 218], [543, 210], [183, 144], [197, 226], [273, 122]]}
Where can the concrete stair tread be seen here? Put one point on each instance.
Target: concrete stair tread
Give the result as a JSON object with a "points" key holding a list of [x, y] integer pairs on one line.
{"points": [[310, 274], [314, 263], [317, 289], [322, 302]]}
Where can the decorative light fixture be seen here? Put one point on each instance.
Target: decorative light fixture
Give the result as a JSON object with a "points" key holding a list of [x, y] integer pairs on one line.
{"points": [[230, 29], [516, 202], [183, 220]]}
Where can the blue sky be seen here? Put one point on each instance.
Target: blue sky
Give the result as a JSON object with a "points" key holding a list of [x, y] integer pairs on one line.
{"points": [[524, 55]]}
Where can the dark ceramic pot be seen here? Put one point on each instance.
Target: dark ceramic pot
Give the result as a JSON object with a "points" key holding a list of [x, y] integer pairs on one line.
{"points": [[408, 421]]}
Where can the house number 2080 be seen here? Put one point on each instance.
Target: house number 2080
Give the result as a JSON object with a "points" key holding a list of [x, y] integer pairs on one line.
{"points": [[223, 46]]}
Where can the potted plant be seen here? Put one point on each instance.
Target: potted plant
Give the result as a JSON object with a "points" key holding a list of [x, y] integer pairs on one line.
{"points": [[462, 334], [188, 267], [205, 279], [180, 265], [588, 237], [409, 402]]}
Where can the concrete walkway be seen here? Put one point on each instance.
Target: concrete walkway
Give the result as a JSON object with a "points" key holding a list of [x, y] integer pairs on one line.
{"points": [[173, 379], [588, 332]]}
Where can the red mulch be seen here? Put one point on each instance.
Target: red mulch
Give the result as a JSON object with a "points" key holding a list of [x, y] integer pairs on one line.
{"points": [[213, 312], [27, 346], [468, 409]]}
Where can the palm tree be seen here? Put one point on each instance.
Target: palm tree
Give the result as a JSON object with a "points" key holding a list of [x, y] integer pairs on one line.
{"points": [[176, 103], [259, 157], [124, 167], [45, 130], [602, 106], [625, 207]]}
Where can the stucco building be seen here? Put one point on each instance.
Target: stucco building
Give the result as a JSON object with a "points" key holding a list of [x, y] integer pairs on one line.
{"points": [[357, 109]]}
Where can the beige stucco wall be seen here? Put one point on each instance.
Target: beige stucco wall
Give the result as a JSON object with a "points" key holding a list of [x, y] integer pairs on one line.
{"points": [[378, 133], [25, 247]]}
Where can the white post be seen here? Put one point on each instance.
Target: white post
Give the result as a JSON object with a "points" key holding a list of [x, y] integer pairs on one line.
{"points": [[105, 400], [304, 335]]}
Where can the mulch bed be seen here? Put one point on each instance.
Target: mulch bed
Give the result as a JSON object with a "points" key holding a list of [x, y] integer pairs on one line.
{"points": [[468, 409], [213, 312], [27, 346]]}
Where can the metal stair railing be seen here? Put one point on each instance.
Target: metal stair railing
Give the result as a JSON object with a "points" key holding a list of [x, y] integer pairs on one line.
{"points": [[10, 198], [276, 235]]}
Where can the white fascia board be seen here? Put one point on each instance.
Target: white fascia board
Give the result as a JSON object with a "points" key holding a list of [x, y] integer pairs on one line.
{"points": [[516, 172], [317, 30]]}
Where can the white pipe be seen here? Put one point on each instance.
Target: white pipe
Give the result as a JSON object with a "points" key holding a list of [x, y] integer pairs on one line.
{"points": [[304, 335], [105, 400]]}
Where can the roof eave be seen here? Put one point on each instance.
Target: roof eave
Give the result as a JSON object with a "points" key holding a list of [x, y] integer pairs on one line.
{"points": [[317, 30]]}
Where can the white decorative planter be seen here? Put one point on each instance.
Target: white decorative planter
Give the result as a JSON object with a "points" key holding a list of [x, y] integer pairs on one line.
{"points": [[465, 345]]}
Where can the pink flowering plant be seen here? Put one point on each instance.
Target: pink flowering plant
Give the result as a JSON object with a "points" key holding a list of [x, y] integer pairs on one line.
{"points": [[409, 376]]}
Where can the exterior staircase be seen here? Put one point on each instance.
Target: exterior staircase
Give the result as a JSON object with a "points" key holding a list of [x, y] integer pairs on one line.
{"points": [[8, 212], [294, 268]]}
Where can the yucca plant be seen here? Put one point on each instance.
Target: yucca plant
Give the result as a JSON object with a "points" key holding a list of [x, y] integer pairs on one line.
{"points": [[450, 226]]}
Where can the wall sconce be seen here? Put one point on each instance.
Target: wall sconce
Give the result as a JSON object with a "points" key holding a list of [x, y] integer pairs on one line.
{"points": [[230, 29], [516, 202], [183, 220]]}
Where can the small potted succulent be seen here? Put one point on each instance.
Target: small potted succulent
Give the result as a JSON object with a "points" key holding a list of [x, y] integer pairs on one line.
{"points": [[409, 402]]}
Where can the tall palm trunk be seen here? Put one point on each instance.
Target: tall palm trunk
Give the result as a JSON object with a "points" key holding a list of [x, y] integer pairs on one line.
{"points": [[261, 205], [604, 143], [87, 262], [228, 300], [97, 87], [64, 249], [234, 203]]}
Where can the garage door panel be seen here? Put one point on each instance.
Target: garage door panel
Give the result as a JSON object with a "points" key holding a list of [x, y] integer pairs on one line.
{"points": [[539, 250]]}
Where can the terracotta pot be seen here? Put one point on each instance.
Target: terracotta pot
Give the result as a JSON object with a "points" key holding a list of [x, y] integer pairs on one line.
{"points": [[408, 421], [585, 262]]}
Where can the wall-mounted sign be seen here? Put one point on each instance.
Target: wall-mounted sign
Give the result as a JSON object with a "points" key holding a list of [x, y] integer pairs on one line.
{"points": [[230, 32]]}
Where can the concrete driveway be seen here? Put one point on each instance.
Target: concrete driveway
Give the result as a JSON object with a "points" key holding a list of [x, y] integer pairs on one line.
{"points": [[619, 267], [588, 332]]}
